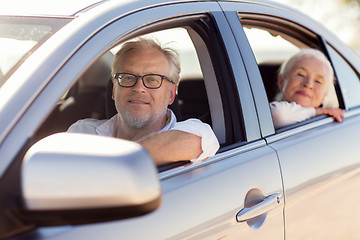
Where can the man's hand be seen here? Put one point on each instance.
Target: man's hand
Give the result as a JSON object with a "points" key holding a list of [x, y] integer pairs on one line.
{"points": [[172, 146], [336, 113]]}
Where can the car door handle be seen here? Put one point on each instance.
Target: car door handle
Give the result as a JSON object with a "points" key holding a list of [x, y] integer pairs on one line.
{"points": [[267, 204]]}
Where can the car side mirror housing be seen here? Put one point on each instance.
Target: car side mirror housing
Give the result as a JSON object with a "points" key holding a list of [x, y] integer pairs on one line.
{"points": [[71, 178]]}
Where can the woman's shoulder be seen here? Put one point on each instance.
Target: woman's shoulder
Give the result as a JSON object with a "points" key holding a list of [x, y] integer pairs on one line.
{"points": [[284, 104]]}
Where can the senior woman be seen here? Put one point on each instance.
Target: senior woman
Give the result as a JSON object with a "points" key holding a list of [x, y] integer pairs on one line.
{"points": [[304, 80]]}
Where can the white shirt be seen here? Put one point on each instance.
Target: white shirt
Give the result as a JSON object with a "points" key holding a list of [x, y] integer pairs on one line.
{"points": [[107, 127], [285, 113]]}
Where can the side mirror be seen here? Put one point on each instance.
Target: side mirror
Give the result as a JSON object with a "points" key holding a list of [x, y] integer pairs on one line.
{"points": [[70, 178]]}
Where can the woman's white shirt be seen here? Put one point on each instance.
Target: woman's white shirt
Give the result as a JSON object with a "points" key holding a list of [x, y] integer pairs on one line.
{"points": [[285, 113]]}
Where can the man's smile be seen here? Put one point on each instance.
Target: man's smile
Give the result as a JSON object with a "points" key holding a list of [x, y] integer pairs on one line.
{"points": [[140, 102]]}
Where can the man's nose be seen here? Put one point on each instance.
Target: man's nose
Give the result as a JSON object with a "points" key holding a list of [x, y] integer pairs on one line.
{"points": [[139, 86]]}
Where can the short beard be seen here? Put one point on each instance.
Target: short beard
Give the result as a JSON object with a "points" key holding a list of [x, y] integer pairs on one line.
{"points": [[136, 122]]}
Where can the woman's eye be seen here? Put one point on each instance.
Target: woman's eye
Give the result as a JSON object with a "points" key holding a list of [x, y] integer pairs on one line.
{"points": [[301, 74]]}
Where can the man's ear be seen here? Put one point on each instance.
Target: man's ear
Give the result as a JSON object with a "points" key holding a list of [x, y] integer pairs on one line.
{"points": [[172, 93], [280, 82]]}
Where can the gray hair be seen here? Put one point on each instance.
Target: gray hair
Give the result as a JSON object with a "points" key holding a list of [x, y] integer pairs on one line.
{"points": [[289, 64], [170, 53]]}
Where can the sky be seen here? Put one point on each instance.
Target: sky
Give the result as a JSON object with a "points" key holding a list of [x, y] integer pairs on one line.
{"points": [[340, 18]]}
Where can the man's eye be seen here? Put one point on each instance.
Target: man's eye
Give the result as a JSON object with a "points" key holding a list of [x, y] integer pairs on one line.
{"points": [[152, 80], [128, 78]]}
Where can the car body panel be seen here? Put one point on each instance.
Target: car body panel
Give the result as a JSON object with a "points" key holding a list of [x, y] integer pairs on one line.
{"points": [[210, 209], [320, 175], [319, 162]]}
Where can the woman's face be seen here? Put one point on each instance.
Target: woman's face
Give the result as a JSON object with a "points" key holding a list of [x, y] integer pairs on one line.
{"points": [[307, 82]]}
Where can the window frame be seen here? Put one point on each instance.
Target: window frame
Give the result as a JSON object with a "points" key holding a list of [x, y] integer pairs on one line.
{"points": [[102, 41], [288, 27], [344, 102]]}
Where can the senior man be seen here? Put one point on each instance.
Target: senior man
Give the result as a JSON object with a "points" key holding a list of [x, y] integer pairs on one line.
{"points": [[145, 77]]}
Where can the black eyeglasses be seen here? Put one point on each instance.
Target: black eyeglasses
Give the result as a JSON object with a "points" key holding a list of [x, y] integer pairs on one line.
{"points": [[151, 81]]}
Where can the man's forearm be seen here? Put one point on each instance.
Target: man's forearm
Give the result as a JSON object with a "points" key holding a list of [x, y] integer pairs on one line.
{"points": [[172, 146]]}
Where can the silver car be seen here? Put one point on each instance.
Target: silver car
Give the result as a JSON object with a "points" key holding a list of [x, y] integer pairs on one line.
{"points": [[297, 182]]}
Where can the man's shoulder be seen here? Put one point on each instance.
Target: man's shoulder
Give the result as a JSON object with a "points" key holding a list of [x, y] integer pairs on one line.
{"points": [[192, 121], [88, 125], [192, 125]]}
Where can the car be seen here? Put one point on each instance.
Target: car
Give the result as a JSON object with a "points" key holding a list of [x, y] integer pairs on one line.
{"points": [[295, 182]]}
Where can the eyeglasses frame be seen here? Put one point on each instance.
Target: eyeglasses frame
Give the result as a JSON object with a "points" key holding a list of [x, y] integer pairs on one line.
{"points": [[116, 76]]}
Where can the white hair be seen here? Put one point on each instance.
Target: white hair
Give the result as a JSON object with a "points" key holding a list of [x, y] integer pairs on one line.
{"points": [[170, 53], [289, 64]]}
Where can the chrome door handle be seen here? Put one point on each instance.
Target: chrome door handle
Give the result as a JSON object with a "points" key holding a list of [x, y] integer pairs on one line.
{"points": [[267, 204]]}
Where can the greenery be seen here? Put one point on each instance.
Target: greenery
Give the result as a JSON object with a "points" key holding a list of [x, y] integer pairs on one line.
{"points": [[352, 2]]}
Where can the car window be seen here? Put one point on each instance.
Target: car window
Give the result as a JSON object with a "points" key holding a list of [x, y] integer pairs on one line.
{"points": [[90, 96], [272, 44], [348, 79]]}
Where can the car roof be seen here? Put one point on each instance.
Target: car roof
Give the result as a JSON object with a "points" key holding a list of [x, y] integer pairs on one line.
{"points": [[65, 8], [72, 7], [45, 7]]}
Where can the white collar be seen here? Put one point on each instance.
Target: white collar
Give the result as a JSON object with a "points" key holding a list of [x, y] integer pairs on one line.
{"points": [[109, 127]]}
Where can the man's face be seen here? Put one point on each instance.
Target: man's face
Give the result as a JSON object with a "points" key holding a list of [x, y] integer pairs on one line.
{"points": [[139, 106], [307, 82]]}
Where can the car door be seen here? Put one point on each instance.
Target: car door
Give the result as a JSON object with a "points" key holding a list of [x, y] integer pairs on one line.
{"points": [[235, 194], [203, 200], [319, 158]]}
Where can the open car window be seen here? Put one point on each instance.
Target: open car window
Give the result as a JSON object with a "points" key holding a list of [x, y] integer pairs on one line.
{"points": [[282, 42], [198, 94]]}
